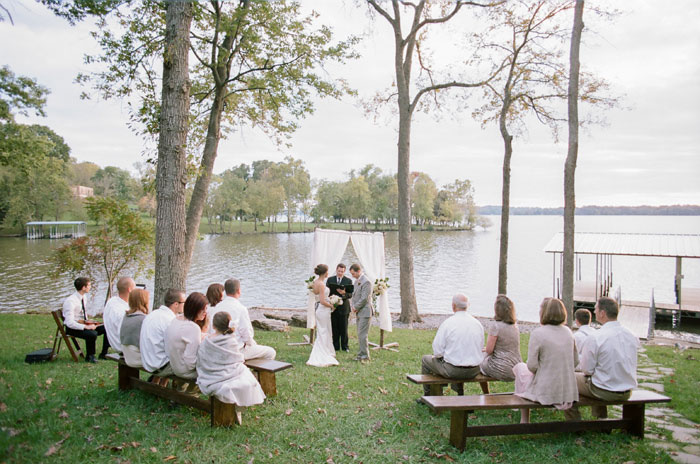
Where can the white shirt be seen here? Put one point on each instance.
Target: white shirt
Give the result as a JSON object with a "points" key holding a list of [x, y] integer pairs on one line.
{"points": [[113, 315], [239, 319], [152, 338], [181, 342], [459, 340], [73, 310], [610, 358], [581, 335]]}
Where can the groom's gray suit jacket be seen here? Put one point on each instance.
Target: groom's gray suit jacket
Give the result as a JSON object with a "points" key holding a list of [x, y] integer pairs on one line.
{"points": [[362, 297]]}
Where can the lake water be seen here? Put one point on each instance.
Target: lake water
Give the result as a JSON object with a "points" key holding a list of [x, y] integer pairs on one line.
{"points": [[273, 267]]}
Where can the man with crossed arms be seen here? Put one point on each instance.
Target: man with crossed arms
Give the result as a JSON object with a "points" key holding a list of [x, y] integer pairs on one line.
{"points": [[608, 361]]}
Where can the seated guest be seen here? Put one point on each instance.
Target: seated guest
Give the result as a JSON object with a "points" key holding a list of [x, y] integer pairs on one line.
{"points": [[130, 331], [241, 320], [114, 312], [608, 361], [551, 357], [582, 319], [76, 321], [503, 342], [220, 368], [456, 347], [215, 293], [184, 335], [152, 340]]}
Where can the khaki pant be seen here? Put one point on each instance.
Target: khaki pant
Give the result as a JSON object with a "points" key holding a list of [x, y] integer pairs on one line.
{"points": [[438, 366], [258, 352], [586, 388]]}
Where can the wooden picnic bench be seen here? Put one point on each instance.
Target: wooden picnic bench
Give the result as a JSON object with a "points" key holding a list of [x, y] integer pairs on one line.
{"points": [[436, 383], [632, 420], [222, 414], [265, 370]]}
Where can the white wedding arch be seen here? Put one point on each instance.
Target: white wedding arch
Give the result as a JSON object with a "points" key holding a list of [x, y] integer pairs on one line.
{"points": [[329, 247]]}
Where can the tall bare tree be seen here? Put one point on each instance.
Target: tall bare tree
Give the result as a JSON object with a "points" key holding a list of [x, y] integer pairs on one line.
{"points": [[405, 46], [172, 145], [570, 165]]}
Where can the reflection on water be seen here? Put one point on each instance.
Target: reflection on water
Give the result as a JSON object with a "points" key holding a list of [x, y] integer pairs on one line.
{"points": [[272, 267]]}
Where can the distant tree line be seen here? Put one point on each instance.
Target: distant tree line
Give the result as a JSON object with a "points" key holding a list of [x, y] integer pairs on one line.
{"points": [[666, 210], [265, 190]]}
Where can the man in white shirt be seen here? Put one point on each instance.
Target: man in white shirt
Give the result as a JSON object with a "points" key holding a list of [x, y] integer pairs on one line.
{"points": [[114, 311], [76, 321], [457, 347], [154, 355], [608, 362], [240, 319], [582, 319]]}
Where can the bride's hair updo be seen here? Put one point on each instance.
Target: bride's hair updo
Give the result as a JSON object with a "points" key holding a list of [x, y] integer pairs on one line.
{"points": [[320, 269]]}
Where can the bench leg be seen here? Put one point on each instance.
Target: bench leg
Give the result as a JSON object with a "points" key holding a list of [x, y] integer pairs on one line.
{"points": [[436, 389], [224, 414], [485, 387], [635, 413], [268, 382], [126, 373], [458, 426]]}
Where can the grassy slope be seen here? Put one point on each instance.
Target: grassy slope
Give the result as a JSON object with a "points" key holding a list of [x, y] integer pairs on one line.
{"points": [[351, 413]]}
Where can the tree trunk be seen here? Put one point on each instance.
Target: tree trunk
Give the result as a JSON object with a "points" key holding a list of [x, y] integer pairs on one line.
{"points": [[570, 166], [289, 216], [170, 269], [201, 186], [505, 205]]}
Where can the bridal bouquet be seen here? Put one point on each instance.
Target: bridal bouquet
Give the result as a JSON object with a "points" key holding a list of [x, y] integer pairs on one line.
{"points": [[335, 301]]}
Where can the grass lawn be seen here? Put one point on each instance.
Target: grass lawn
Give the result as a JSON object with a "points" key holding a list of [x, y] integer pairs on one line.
{"points": [[683, 385], [72, 412]]}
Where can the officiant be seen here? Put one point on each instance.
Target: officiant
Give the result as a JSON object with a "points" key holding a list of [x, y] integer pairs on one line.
{"points": [[341, 286]]}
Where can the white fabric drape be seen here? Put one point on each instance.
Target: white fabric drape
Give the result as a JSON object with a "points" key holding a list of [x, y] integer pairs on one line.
{"points": [[369, 248], [328, 249]]}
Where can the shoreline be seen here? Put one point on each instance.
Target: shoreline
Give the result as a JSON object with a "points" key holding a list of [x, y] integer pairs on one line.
{"points": [[431, 321]]}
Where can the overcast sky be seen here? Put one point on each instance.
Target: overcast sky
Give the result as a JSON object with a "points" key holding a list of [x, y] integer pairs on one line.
{"points": [[647, 154]]}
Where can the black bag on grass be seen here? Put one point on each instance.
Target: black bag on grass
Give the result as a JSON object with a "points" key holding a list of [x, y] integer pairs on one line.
{"points": [[44, 354]]}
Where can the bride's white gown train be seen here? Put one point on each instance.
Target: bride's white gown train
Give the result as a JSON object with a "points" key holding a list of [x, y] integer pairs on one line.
{"points": [[323, 353]]}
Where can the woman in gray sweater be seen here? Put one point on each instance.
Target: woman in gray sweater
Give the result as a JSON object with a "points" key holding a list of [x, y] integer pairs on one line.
{"points": [[131, 327]]}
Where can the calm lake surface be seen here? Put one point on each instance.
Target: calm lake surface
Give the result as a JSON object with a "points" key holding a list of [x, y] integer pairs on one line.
{"points": [[273, 267]]}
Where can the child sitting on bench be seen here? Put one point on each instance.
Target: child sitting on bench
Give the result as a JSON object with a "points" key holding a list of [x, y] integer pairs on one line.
{"points": [[220, 368]]}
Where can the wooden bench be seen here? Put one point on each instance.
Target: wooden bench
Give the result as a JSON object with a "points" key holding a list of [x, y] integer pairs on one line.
{"points": [[436, 383], [222, 414], [632, 420], [265, 370]]}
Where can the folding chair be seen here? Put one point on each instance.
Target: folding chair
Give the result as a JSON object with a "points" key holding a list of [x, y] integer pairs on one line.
{"points": [[61, 334]]}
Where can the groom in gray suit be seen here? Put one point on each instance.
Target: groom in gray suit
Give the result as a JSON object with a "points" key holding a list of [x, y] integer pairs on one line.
{"points": [[362, 306]]}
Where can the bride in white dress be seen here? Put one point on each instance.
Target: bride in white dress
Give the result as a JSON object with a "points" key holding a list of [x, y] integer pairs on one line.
{"points": [[323, 353]]}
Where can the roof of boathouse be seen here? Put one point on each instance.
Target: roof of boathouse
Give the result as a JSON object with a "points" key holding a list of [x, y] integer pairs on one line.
{"points": [[54, 223], [601, 243]]}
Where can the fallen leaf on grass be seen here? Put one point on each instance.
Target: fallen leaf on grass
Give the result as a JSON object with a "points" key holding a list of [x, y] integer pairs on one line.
{"points": [[116, 448], [383, 391], [321, 411], [135, 444], [153, 449], [288, 412], [3, 407], [169, 458], [63, 415], [48, 381], [350, 454], [55, 447]]}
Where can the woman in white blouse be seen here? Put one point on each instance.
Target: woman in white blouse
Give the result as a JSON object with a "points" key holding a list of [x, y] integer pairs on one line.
{"points": [[184, 335]]}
